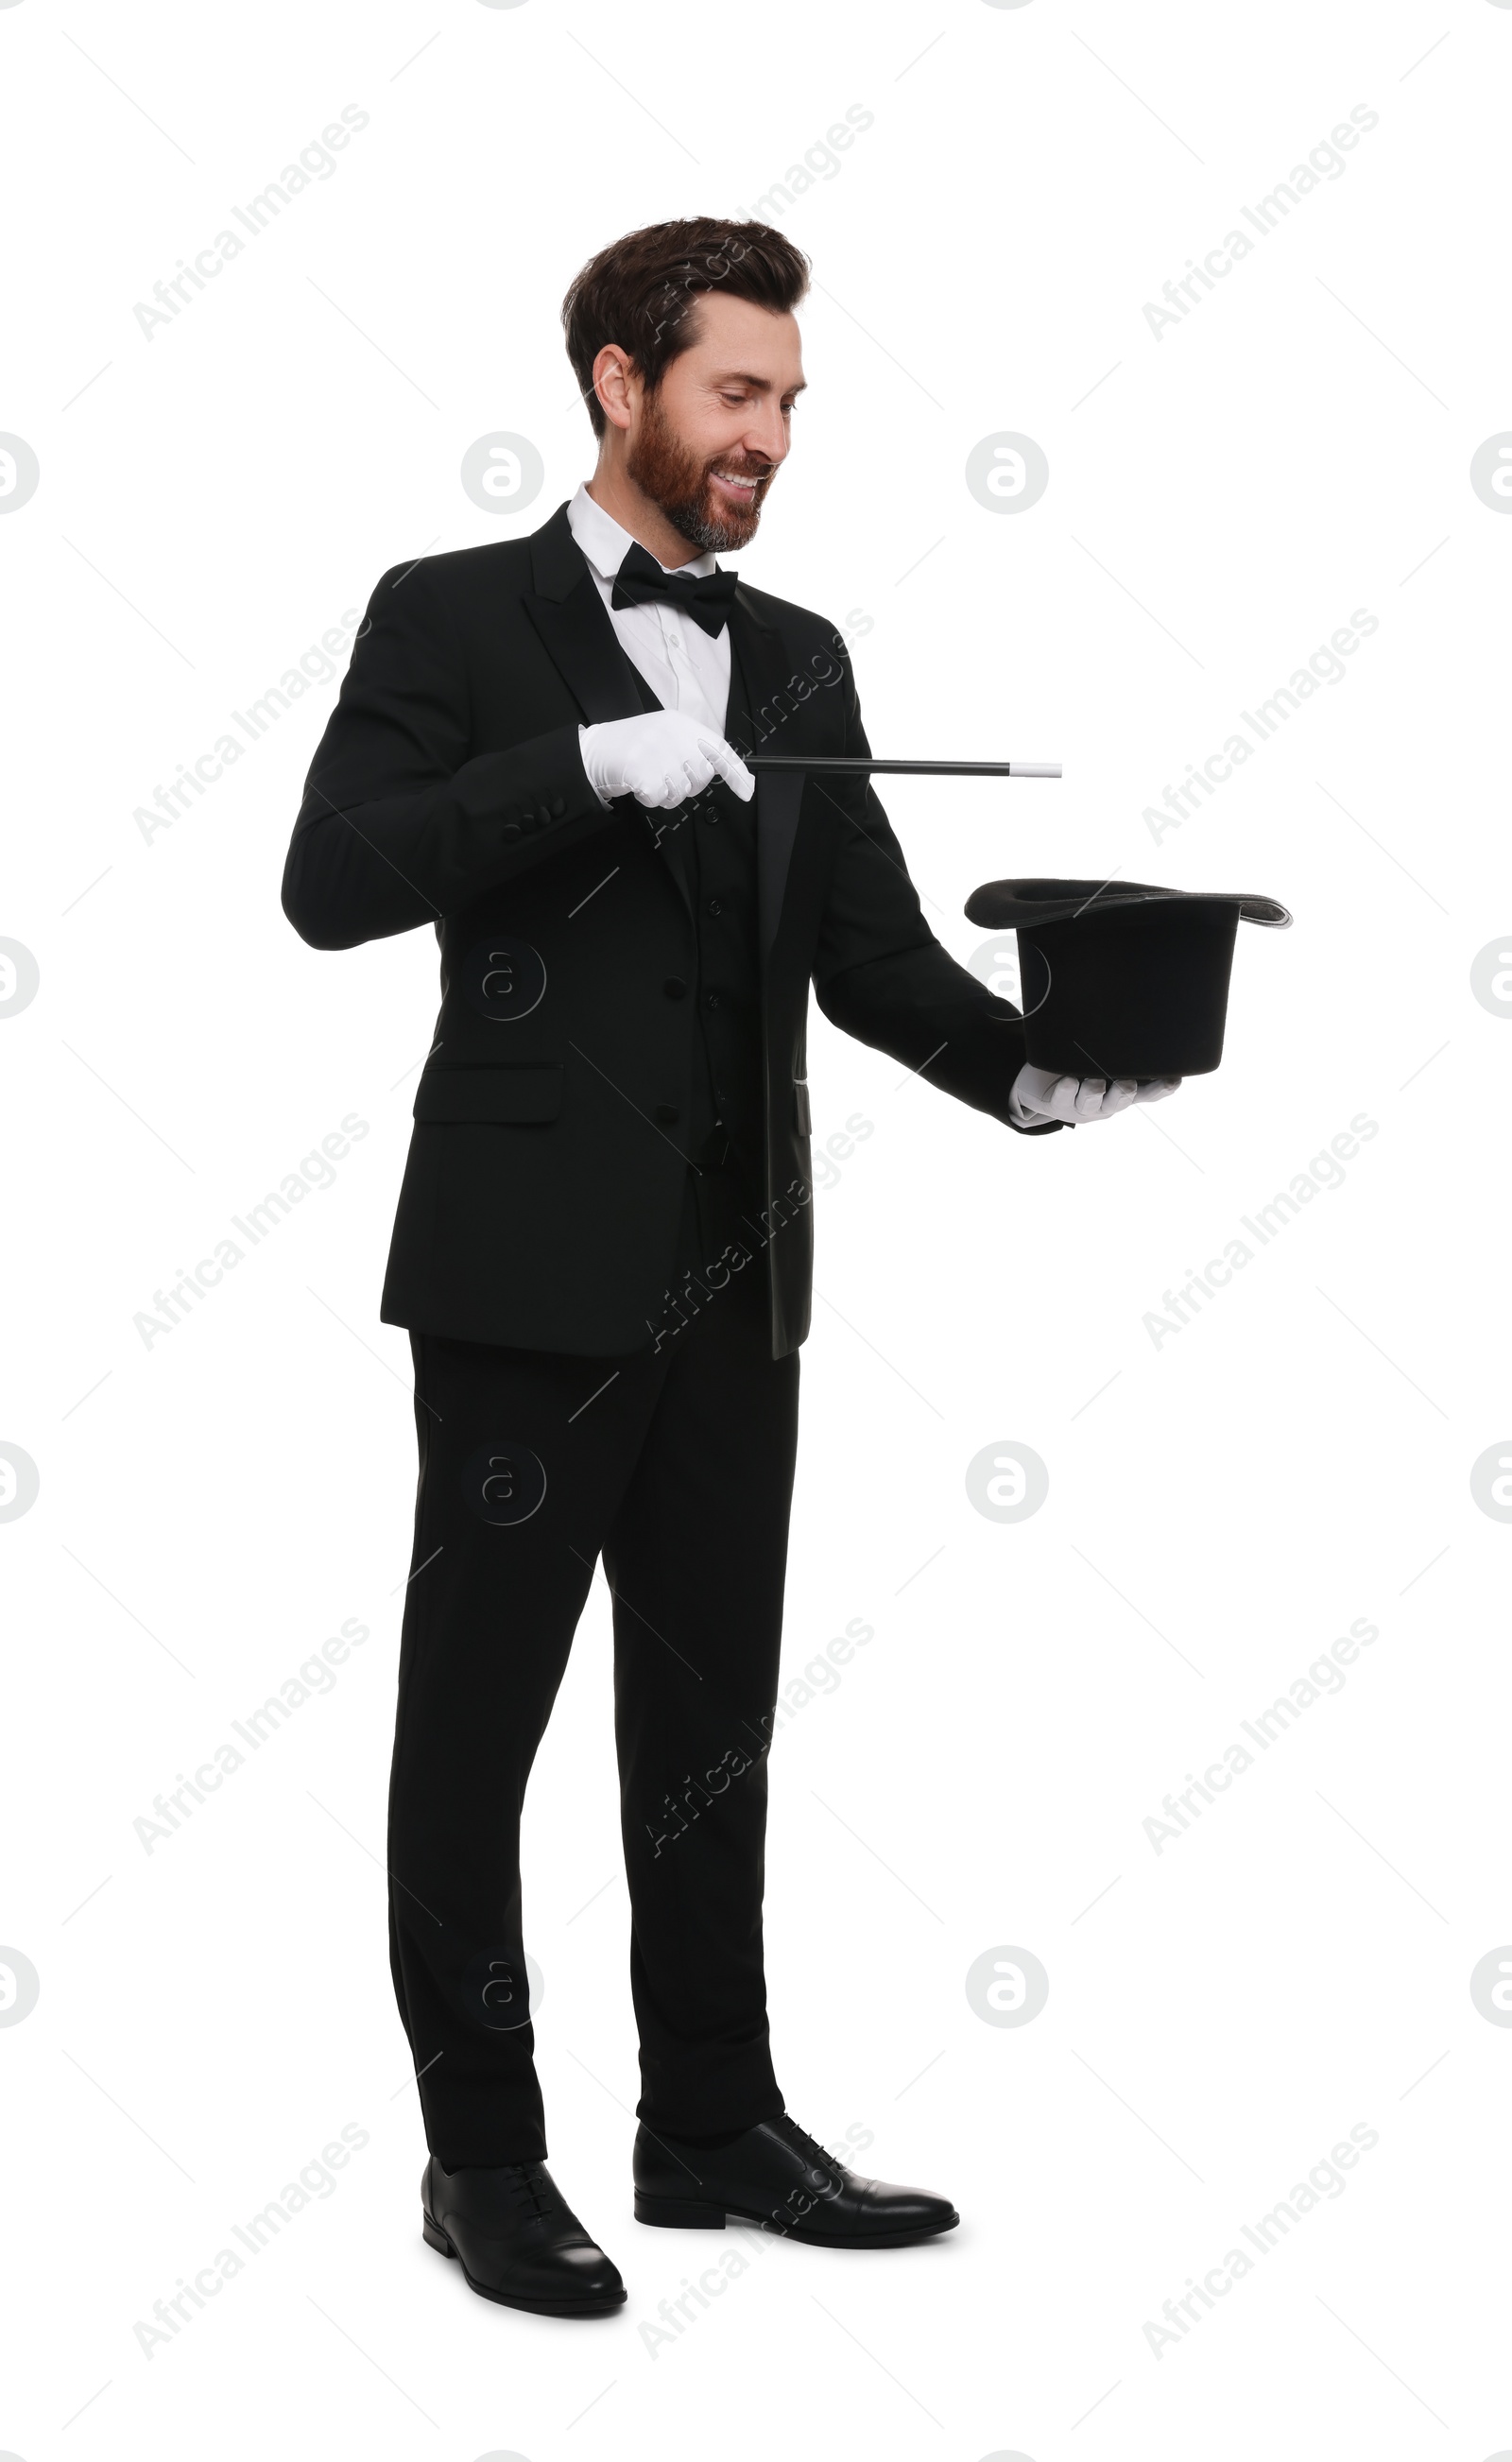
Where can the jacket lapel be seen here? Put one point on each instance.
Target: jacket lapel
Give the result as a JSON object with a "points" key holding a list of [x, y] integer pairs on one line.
{"points": [[760, 660], [574, 627], [574, 624]]}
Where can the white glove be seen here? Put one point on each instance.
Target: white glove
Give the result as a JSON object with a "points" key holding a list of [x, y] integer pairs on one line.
{"points": [[660, 758], [1039, 1094]]}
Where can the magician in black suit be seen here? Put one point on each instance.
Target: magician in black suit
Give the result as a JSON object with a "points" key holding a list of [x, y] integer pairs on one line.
{"points": [[602, 1250]]}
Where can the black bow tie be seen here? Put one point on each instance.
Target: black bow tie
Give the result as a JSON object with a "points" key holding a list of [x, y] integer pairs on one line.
{"points": [[708, 601]]}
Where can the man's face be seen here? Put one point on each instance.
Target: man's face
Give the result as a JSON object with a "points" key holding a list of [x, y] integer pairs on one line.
{"points": [[707, 443]]}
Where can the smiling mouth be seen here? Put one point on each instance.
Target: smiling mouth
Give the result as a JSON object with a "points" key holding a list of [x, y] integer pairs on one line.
{"points": [[744, 488]]}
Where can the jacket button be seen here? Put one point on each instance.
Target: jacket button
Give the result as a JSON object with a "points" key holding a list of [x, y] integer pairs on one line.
{"points": [[558, 808], [675, 987], [541, 815], [711, 1000], [511, 829], [715, 908], [667, 1114]]}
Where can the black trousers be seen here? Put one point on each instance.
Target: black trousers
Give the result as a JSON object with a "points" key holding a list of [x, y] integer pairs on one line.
{"points": [[675, 1465]]}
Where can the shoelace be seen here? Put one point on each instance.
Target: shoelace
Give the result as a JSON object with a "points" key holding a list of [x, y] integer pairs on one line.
{"points": [[800, 2139], [529, 2182]]}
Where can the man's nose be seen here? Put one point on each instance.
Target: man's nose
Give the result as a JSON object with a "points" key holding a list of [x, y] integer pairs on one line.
{"points": [[766, 440]]}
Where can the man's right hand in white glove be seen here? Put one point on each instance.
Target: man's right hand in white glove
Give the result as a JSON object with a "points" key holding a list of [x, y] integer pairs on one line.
{"points": [[661, 758]]}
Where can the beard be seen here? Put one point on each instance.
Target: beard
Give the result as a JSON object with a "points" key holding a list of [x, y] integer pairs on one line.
{"points": [[679, 484]]}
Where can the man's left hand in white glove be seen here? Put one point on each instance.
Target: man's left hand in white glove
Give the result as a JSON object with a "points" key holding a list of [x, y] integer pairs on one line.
{"points": [[1040, 1094]]}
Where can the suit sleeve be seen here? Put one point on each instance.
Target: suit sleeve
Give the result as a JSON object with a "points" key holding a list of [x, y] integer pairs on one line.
{"points": [[880, 974], [401, 823]]}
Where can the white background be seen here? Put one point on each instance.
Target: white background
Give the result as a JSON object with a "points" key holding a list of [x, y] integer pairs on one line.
{"points": [[1220, 1507]]}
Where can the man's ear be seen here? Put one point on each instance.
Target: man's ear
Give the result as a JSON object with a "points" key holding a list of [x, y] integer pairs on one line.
{"points": [[612, 379]]}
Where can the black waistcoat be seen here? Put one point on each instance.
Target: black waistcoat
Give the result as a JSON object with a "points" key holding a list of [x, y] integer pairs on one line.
{"points": [[711, 839]]}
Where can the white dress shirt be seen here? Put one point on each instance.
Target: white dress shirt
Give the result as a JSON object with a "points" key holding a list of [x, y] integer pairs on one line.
{"points": [[686, 668]]}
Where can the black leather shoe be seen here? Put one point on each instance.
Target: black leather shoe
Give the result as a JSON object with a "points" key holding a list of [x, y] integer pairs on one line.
{"points": [[777, 2175], [517, 2240]]}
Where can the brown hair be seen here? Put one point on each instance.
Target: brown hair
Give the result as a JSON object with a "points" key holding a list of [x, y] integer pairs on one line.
{"points": [[639, 291]]}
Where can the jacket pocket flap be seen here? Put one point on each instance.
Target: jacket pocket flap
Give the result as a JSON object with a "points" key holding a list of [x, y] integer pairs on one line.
{"points": [[520, 1089]]}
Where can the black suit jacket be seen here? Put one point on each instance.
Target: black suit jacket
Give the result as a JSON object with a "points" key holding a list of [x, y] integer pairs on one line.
{"points": [[541, 1200]]}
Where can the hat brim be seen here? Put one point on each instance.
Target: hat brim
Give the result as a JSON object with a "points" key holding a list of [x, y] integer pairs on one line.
{"points": [[1013, 905]]}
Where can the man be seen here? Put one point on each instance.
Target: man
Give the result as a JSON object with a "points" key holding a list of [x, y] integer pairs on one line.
{"points": [[603, 1239]]}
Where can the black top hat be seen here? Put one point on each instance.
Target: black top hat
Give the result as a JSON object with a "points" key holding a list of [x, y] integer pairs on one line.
{"points": [[1122, 979]]}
